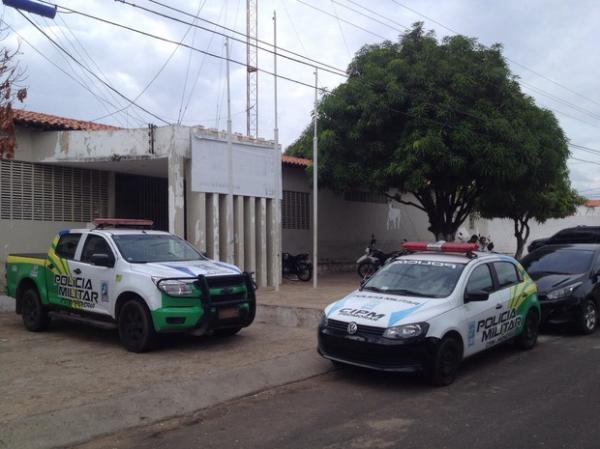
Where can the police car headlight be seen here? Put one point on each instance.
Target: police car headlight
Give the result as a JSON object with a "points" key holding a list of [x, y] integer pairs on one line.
{"points": [[406, 331], [175, 288], [563, 292]]}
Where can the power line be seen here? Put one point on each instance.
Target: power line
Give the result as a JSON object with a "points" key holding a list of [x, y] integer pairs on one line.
{"points": [[584, 160], [541, 75], [244, 35], [287, 13], [89, 71], [369, 17], [251, 43], [341, 30], [164, 39]]}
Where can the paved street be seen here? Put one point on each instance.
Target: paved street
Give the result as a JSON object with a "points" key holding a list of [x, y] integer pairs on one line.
{"points": [[547, 398]]}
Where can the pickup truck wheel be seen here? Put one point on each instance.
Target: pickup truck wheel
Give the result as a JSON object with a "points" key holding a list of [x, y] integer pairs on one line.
{"points": [[136, 330], [34, 314], [445, 362], [588, 317], [528, 337], [227, 332]]}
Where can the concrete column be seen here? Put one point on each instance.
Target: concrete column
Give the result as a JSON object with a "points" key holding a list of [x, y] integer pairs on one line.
{"points": [[212, 225], [111, 195], [195, 212], [273, 241], [176, 201], [238, 232], [249, 234], [229, 231], [261, 241]]}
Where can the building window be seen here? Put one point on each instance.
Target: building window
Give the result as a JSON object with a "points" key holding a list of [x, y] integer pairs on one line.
{"points": [[51, 193], [295, 210], [365, 197]]}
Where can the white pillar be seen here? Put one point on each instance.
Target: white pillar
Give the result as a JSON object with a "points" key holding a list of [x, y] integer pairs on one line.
{"points": [[250, 234], [238, 232], [261, 241], [228, 229], [212, 225], [176, 201]]}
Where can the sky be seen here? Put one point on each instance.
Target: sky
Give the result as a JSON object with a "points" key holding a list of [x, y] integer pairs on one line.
{"points": [[551, 45]]}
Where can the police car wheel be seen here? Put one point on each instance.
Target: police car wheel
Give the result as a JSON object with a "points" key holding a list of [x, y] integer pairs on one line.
{"points": [[136, 330], [34, 315], [445, 362], [227, 332], [528, 337], [588, 317]]}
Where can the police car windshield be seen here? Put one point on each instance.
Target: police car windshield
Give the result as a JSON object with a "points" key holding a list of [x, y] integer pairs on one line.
{"points": [[426, 278], [144, 248]]}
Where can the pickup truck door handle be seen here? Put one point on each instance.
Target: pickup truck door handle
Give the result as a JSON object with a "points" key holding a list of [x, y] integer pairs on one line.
{"points": [[498, 306], [77, 271]]}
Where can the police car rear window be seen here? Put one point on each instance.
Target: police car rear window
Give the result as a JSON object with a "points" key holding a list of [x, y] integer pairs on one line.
{"points": [[420, 278]]}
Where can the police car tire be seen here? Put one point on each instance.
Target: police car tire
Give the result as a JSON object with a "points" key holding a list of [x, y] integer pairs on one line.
{"points": [[136, 330], [528, 337], [445, 362], [587, 314], [34, 314]]}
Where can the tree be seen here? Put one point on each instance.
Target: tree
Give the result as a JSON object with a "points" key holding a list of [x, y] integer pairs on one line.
{"points": [[543, 190], [430, 119], [11, 89]]}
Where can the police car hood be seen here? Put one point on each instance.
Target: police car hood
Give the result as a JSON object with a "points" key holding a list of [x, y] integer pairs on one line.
{"points": [[190, 268], [383, 310]]}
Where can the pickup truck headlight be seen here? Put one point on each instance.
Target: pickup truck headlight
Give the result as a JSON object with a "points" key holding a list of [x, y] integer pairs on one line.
{"points": [[175, 287], [406, 331], [563, 292]]}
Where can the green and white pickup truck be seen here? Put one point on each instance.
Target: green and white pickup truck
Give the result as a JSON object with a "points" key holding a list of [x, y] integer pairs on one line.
{"points": [[143, 282]]}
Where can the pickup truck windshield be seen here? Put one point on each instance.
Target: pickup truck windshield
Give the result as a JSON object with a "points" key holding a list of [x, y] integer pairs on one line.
{"points": [[144, 248], [425, 278]]}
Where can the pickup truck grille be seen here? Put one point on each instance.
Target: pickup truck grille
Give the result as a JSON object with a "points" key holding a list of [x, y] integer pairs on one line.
{"points": [[227, 288], [225, 281]]}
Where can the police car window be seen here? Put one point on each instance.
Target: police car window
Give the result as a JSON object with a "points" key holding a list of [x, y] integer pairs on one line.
{"points": [[507, 273], [426, 278], [67, 246], [94, 245], [481, 279]]}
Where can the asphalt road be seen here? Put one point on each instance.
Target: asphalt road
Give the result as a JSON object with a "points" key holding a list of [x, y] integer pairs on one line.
{"points": [[504, 399]]}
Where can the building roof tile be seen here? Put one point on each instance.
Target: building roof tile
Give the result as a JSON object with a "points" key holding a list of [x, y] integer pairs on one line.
{"points": [[292, 160], [49, 122]]}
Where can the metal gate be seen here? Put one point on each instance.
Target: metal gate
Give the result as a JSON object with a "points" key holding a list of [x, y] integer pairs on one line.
{"points": [[142, 197]]}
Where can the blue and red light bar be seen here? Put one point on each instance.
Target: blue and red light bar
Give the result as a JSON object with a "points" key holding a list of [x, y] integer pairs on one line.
{"points": [[443, 247]]}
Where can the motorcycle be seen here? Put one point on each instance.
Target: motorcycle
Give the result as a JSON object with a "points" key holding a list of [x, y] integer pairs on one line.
{"points": [[373, 259], [296, 265]]}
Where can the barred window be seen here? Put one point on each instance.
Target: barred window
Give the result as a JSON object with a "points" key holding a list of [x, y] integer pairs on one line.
{"points": [[41, 192], [295, 210], [365, 197]]}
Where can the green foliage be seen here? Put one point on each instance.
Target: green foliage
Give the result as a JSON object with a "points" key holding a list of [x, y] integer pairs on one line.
{"points": [[440, 120]]}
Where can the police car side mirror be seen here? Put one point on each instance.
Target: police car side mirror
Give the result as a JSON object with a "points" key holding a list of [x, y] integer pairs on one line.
{"points": [[476, 295], [102, 260]]}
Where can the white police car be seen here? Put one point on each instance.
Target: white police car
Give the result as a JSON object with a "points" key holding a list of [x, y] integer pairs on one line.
{"points": [[430, 309]]}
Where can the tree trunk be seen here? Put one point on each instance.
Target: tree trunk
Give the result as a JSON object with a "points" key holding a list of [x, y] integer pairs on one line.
{"points": [[521, 233]]}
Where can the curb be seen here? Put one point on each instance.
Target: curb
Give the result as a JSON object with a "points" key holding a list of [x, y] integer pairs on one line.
{"points": [[157, 402], [288, 316]]}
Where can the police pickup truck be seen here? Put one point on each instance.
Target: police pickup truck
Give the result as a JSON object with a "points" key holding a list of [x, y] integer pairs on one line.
{"points": [[429, 310], [141, 281]]}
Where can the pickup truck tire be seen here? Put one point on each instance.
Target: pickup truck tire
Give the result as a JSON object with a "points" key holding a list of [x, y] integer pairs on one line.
{"points": [[136, 330], [445, 362], [227, 332], [34, 314], [528, 337]]}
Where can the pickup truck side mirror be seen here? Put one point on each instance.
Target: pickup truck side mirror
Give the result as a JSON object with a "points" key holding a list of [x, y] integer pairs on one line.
{"points": [[103, 260], [476, 295]]}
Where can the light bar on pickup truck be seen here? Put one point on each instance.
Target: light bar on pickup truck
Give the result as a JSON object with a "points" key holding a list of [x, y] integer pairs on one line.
{"points": [[441, 247], [122, 222]]}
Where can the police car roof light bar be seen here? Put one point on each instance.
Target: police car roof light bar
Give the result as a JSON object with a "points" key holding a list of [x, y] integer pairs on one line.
{"points": [[444, 247], [102, 223]]}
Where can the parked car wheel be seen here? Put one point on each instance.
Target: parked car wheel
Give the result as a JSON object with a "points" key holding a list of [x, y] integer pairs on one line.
{"points": [[445, 362], [304, 272], [528, 337], [588, 317], [366, 269], [227, 332], [34, 314], [136, 330]]}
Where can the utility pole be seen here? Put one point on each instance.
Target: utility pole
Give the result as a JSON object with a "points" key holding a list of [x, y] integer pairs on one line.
{"points": [[315, 184], [252, 68], [279, 168]]}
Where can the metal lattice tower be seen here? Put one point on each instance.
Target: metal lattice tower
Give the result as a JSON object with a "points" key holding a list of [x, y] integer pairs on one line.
{"points": [[252, 68]]}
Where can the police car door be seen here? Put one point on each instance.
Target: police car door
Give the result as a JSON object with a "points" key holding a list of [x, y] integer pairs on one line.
{"points": [[477, 313], [507, 279], [94, 282]]}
